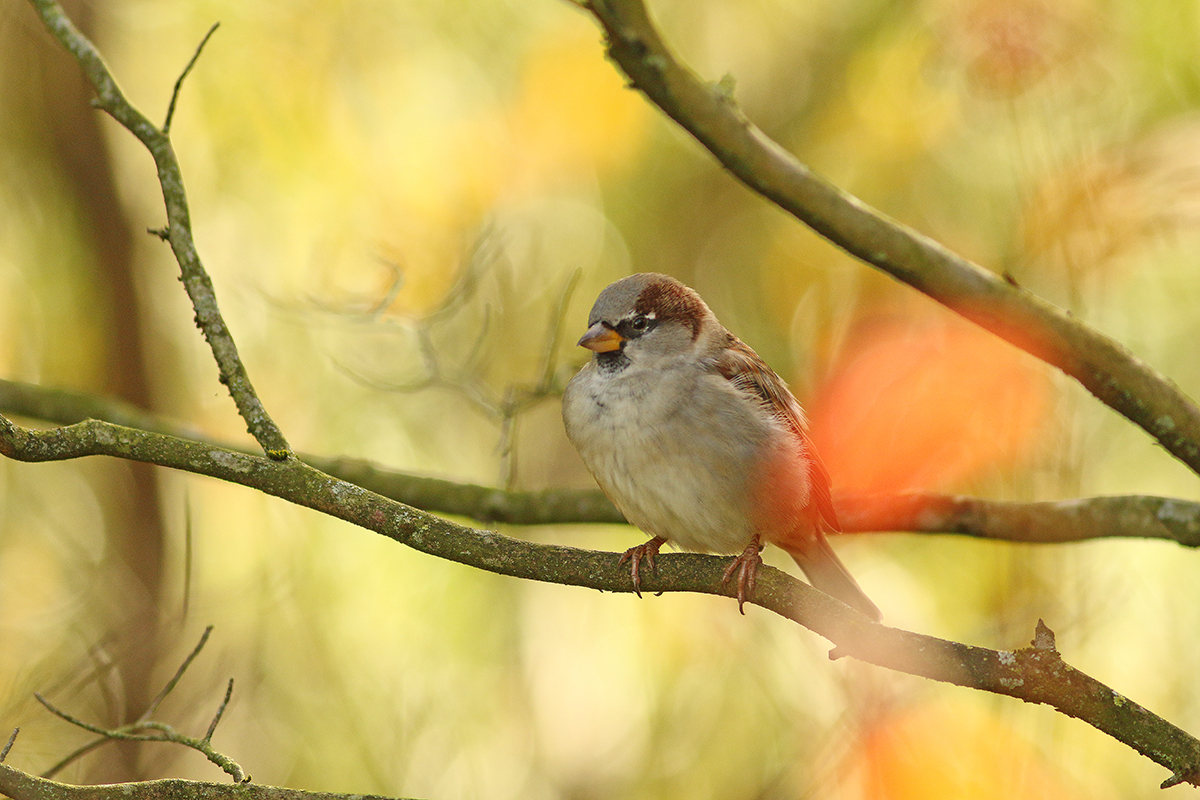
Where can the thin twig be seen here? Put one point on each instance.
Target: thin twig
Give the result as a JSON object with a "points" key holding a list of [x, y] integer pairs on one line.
{"points": [[171, 684], [161, 732], [75, 754], [7, 747], [178, 231], [166, 128], [87, 726], [212, 726]]}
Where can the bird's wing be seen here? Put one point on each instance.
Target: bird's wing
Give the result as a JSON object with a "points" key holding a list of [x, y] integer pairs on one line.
{"points": [[742, 367]]}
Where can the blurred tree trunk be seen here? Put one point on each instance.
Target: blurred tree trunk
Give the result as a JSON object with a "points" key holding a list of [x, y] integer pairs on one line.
{"points": [[64, 123]]}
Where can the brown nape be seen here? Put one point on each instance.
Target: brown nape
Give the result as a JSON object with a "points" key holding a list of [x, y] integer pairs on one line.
{"points": [[667, 299]]}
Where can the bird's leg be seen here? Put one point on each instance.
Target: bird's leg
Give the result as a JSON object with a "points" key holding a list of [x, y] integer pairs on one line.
{"points": [[634, 555], [746, 565]]}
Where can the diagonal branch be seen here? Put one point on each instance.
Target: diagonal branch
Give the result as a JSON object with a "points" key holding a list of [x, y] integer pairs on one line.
{"points": [[177, 677], [1105, 367], [1036, 675], [166, 127], [179, 226]]}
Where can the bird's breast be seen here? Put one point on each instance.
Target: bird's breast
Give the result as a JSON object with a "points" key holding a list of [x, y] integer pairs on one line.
{"points": [[680, 458]]}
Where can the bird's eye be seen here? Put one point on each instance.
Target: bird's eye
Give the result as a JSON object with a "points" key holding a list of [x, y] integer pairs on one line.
{"points": [[639, 324]]}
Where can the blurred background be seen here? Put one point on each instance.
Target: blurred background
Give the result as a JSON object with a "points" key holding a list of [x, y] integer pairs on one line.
{"points": [[407, 208]]}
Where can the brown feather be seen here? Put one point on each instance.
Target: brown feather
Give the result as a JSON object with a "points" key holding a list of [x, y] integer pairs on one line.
{"points": [[739, 364]]}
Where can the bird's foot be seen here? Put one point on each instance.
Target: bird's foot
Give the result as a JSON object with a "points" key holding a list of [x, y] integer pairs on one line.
{"points": [[635, 555], [746, 566]]}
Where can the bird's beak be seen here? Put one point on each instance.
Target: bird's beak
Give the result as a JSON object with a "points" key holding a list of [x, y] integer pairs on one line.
{"points": [[601, 339]]}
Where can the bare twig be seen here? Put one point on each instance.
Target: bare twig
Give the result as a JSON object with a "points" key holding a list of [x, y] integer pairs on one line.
{"points": [[75, 754], [117, 733], [171, 684], [104, 738], [1034, 675], [465, 376], [1105, 367], [8, 746], [212, 726], [179, 227], [462, 379], [158, 732], [166, 128], [146, 730]]}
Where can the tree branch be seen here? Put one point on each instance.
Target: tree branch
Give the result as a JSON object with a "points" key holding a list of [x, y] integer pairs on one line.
{"points": [[1046, 522], [1130, 516], [22, 786], [1105, 367], [1036, 674], [179, 226]]}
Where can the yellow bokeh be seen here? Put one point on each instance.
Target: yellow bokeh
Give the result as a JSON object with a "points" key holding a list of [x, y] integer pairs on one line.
{"points": [[393, 198]]}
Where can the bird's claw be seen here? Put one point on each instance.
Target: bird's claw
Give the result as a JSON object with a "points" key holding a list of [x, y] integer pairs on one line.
{"points": [[746, 566], [635, 556]]}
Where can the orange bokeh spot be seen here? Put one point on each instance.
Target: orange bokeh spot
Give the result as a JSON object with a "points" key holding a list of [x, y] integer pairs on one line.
{"points": [[949, 751], [925, 406]]}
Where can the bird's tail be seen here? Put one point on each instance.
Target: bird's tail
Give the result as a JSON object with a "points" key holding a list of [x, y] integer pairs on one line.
{"points": [[827, 572]]}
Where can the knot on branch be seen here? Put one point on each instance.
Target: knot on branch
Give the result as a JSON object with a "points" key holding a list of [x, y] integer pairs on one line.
{"points": [[1042, 652], [1043, 637]]}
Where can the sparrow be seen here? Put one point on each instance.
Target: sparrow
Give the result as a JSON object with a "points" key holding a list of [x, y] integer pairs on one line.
{"points": [[697, 441]]}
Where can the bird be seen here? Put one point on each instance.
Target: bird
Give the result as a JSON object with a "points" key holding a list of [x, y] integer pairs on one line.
{"points": [[697, 441]]}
